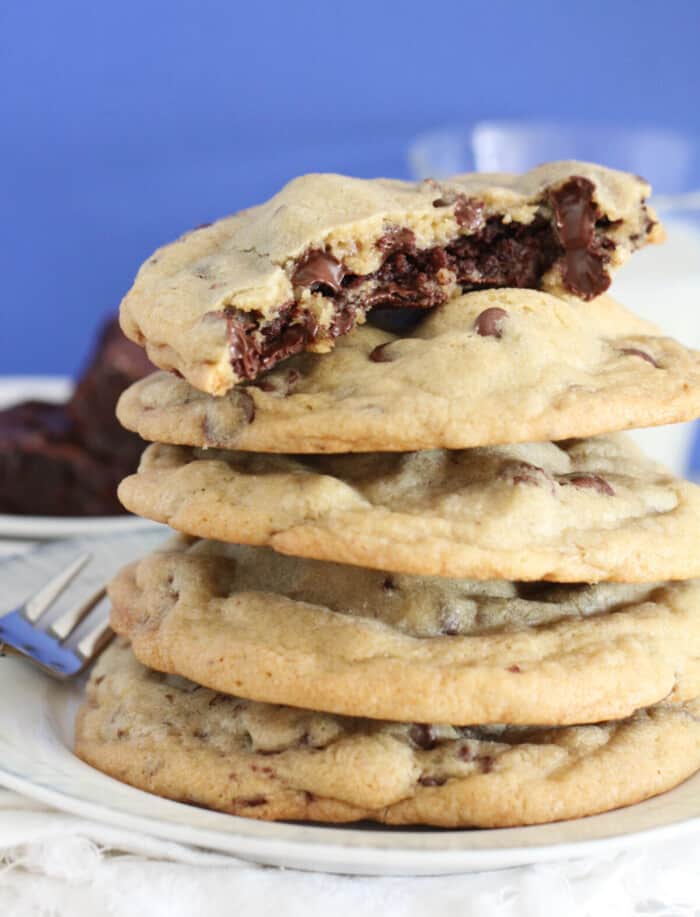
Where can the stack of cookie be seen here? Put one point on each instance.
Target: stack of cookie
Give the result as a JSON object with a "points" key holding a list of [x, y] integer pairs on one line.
{"points": [[421, 578]]}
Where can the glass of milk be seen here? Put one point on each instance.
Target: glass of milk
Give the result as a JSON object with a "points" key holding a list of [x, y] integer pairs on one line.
{"points": [[660, 282]]}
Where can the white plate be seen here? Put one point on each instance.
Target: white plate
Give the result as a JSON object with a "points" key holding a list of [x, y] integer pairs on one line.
{"points": [[36, 735], [53, 388]]}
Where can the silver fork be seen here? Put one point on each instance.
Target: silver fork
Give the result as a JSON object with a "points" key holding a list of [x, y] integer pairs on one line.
{"points": [[64, 624]]}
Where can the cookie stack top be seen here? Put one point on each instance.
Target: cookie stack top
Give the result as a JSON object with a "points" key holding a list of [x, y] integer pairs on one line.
{"points": [[232, 299]]}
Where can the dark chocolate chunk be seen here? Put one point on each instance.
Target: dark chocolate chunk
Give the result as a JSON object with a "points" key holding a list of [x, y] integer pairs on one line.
{"points": [[319, 270], [465, 753], [423, 736], [380, 354], [490, 322], [642, 354], [253, 801], [432, 781], [575, 215], [588, 481], [525, 473], [247, 405]]}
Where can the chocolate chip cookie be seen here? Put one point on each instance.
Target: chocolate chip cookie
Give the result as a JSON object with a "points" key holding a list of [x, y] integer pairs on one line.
{"points": [[579, 510], [498, 366], [171, 737], [343, 639], [230, 300]]}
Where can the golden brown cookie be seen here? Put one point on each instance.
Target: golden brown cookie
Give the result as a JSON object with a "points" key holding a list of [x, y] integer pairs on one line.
{"points": [[500, 366], [168, 736], [578, 511], [348, 640]]}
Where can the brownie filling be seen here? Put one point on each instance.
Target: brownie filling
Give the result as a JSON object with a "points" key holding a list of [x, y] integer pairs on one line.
{"points": [[495, 253]]}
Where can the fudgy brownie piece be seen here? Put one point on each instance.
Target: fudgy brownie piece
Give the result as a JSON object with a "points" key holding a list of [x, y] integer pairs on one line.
{"points": [[232, 299], [67, 459], [45, 470], [115, 364]]}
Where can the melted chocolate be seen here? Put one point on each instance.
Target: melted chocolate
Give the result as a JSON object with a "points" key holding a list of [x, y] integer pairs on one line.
{"points": [[575, 216], [319, 271]]}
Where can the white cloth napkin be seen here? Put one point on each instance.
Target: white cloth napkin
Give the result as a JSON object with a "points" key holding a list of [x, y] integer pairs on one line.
{"points": [[58, 865]]}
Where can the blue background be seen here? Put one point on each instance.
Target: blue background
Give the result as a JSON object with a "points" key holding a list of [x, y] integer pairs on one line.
{"points": [[123, 124]]}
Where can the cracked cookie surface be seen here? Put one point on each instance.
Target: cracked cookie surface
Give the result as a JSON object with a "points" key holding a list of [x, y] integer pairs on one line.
{"points": [[231, 299], [348, 640], [497, 366], [578, 511], [171, 737]]}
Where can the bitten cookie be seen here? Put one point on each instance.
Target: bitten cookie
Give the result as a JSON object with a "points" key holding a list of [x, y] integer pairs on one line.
{"points": [[168, 736], [499, 366], [577, 511], [251, 622], [231, 299]]}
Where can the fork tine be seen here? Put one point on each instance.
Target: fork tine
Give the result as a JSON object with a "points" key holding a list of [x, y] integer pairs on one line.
{"points": [[40, 602], [95, 640], [65, 625]]}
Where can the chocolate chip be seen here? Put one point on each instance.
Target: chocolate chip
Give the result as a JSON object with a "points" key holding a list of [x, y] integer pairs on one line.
{"points": [[525, 473], [380, 354], [432, 781], [515, 668], [266, 386], [397, 239], [449, 622], [575, 216], [465, 753], [253, 801], [588, 481], [642, 354], [388, 584], [319, 271], [247, 406], [423, 736], [486, 763], [200, 734], [201, 226], [489, 323]]}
